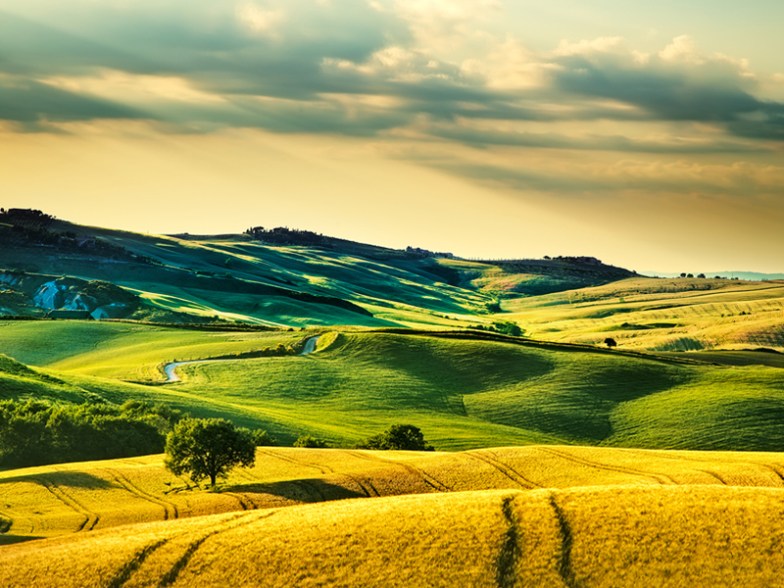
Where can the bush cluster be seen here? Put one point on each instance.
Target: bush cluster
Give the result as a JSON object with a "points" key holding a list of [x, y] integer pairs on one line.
{"points": [[398, 437], [35, 432]]}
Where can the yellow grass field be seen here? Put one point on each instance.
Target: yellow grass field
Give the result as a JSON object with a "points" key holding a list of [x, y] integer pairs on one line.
{"points": [[629, 535], [62, 499], [661, 314], [537, 515]]}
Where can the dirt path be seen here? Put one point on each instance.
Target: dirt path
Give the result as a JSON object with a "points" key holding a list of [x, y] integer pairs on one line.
{"points": [[170, 369]]}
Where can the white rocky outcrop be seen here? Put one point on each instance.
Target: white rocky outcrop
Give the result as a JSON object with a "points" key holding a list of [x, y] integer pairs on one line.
{"points": [[50, 295]]}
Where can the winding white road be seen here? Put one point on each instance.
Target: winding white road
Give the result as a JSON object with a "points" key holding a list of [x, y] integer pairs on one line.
{"points": [[170, 369]]}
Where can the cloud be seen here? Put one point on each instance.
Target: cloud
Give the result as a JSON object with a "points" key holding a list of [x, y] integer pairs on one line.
{"points": [[607, 180], [676, 84], [591, 142], [34, 105], [259, 20], [421, 65]]}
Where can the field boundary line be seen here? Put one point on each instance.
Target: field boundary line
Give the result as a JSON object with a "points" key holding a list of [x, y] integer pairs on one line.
{"points": [[131, 566], [510, 552], [420, 473], [327, 470], [171, 576]]}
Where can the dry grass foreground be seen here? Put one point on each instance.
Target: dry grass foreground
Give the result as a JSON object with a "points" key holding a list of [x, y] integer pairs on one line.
{"points": [[594, 536], [551, 516], [62, 499]]}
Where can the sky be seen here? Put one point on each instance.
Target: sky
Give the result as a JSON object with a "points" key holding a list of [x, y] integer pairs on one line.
{"points": [[647, 134]]}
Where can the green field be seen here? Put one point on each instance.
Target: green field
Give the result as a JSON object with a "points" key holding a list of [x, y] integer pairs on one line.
{"points": [[462, 390]]}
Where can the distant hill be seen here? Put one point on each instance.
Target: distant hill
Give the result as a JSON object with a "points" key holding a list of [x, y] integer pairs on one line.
{"points": [[730, 275], [273, 277]]}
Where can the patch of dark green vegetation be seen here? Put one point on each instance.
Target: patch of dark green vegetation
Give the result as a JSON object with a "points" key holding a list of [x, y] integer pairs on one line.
{"points": [[503, 327], [398, 437], [36, 432], [642, 327]]}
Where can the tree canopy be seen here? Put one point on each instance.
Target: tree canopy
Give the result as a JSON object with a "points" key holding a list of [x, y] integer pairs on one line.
{"points": [[38, 432], [208, 448], [406, 437]]}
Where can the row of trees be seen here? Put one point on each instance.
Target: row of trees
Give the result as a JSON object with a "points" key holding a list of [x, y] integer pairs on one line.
{"points": [[36, 432], [210, 448]]}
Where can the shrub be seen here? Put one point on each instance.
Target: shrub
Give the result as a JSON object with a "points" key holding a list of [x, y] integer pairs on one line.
{"points": [[311, 442], [262, 439], [405, 437]]}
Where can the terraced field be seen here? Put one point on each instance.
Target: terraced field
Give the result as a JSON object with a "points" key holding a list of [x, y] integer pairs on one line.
{"points": [[558, 516]]}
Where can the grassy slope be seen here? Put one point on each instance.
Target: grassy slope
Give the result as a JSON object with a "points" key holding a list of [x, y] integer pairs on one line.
{"points": [[659, 313], [235, 278], [462, 393], [648, 517]]}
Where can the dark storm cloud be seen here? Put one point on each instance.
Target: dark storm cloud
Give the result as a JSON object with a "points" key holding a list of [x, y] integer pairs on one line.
{"points": [[665, 94], [32, 105], [713, 90], [189, 38]]}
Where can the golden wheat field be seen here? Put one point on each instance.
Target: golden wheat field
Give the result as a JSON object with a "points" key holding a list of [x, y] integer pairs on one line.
{"points": [[628, 535], [549, 516], [62, 499]]}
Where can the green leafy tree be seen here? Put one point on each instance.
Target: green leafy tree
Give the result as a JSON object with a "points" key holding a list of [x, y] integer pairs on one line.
{"points": [[208, 448], [610, 342], [406, 437], [508, 328]]}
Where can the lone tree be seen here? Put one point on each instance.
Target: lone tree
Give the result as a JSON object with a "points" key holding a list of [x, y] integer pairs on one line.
{"points": [[406, 437], [208, 448], [610, 342]]}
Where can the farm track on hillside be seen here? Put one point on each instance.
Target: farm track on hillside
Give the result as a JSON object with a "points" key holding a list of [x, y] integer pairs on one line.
{"points": [[90, 518], [170, 510], [660, 478], [505, 469]]}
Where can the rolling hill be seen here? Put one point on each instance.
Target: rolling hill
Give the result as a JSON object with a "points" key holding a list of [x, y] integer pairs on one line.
{"points": [[288, 278], [276, 278], [568, 463], [557, 516], [465, 390]]}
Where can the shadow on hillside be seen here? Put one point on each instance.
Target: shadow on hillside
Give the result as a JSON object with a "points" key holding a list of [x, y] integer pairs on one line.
{"points": [[11, 539], [309, 490], [69, 479]]}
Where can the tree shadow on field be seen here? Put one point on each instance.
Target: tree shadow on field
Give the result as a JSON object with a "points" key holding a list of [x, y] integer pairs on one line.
{"points": [[12, 539], [68, 479], [306, 490]]}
